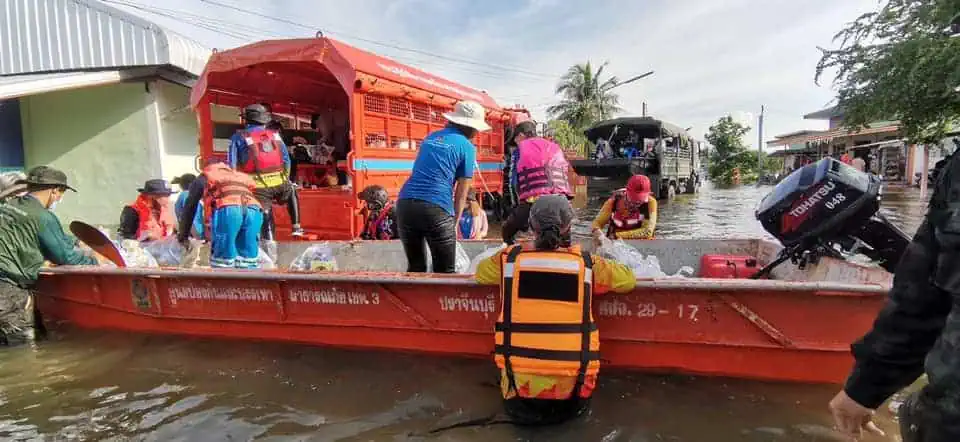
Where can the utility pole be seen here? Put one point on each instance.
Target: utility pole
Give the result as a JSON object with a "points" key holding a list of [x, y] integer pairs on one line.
{"points": [[760, 141]]}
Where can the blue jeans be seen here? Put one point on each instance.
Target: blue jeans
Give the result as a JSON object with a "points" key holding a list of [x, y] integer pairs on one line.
{"points": [[236, 237]]}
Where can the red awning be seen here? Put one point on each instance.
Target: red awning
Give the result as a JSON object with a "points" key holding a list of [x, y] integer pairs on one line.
{"points": [[260, 67]]}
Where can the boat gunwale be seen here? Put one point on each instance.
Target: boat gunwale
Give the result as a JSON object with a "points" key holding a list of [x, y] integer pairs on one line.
{"points": [[824, 288]]}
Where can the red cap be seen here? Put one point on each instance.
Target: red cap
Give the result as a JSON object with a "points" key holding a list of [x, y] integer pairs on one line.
{"points": [[638, 189]]}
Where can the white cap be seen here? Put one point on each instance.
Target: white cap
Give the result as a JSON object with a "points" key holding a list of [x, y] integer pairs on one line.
{"points": [[470, 114]]}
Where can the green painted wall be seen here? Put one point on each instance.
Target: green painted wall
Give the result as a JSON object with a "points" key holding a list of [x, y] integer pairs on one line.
{"points": [[99, 137]]}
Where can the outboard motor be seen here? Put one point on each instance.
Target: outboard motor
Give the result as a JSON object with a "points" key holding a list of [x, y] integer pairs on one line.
{"points": [[829, 209]]}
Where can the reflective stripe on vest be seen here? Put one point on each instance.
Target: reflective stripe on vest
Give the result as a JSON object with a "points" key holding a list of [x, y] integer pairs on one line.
{"points": [[542, 335]]}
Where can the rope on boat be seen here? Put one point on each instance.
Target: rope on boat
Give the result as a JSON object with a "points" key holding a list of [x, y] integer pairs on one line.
{"points": [[493, 419]]}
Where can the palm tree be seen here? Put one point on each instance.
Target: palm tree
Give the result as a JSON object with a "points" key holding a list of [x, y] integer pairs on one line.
{"points": [[586, 98]]}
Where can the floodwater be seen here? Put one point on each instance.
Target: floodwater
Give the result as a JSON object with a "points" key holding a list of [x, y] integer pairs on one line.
{"points": [[111, 386]]}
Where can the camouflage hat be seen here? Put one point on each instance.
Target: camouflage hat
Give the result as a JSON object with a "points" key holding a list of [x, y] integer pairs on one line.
{"points": [[46, 176], [10, 184]]}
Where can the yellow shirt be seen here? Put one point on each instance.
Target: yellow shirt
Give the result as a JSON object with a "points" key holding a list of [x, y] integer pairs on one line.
{"points": [[646, 229], [608, 275]]}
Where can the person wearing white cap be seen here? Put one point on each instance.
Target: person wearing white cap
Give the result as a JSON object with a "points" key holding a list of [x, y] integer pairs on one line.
{"points": [[428, 205]]}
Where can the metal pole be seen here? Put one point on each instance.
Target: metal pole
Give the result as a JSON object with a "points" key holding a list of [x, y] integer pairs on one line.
{"points": [[924, 174], [760, 143], [644, 114]]}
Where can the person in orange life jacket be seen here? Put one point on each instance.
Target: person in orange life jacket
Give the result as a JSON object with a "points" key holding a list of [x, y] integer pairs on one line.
{"points": [[547, 344], [233, 216], [473, 223], [379, 214], [150, 217], [260, 152], [631, 213], [541, 170]]}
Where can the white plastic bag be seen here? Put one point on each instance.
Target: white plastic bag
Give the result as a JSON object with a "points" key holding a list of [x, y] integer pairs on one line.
{"points": [[642, 266], [482, 256], [266, 263], [167, 251], [317, 258], [135, 256], [462, 260]]}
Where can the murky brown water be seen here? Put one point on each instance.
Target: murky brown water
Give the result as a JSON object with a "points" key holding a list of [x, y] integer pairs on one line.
{"points": [[111, 386]]}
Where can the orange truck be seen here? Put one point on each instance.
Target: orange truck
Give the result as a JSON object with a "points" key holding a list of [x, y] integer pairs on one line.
{"points": [[375, 112]]}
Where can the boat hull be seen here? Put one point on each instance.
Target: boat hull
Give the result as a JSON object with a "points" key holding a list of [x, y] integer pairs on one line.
{"points": [[770, 330]]}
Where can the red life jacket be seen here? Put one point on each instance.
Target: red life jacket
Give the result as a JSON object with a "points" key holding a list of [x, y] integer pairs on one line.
{"points": [[154, 223], [625, 218], [264, 152], [226, 187], [374, 225]]}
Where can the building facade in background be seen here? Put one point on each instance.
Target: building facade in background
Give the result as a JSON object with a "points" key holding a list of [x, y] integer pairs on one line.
{"points": [[98, 93], [880, 145]]}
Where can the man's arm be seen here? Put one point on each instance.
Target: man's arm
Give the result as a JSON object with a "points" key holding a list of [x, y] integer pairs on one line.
{"points": [[603, 217], [56, 247], [464, 178], [237, 142], [609, 275], [129, 223], [489, 271], [190, 207], [891, 355], [286, 156]]}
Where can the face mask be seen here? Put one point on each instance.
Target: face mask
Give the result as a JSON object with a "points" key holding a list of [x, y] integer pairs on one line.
{"points": [[53, 205]]}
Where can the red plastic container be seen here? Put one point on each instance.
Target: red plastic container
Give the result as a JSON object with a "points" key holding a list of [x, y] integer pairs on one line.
{"points": [[728, 266]]}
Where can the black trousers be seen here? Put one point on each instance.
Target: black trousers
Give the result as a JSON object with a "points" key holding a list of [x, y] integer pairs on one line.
{"points": [[518, 221], [282, 194], [524, 411], [420, 221]]}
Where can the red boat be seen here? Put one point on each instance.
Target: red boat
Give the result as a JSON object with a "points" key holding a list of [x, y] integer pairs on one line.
{"points": [[797, 327]]}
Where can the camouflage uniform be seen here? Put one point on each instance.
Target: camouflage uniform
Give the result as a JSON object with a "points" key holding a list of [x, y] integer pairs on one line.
{"points": [[16, 315], [918, 330]]}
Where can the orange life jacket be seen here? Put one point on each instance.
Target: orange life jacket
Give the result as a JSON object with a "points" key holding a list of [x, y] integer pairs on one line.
{"points": [[226, 187], [154, 224], [624, 217], [546, 324], [264, 151]]}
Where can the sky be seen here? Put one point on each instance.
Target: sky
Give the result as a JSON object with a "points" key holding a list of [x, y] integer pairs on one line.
{"points": [[710, 58]]}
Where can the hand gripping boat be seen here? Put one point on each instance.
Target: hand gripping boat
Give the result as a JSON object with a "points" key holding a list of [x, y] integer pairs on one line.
{"points": [[797, 327]]}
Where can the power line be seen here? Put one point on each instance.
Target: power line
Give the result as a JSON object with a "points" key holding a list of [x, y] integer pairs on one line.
{"points": [[380, 43], [218, 26]]}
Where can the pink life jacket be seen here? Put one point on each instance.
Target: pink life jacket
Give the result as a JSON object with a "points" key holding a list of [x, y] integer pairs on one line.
{"points": [[542, 169]]}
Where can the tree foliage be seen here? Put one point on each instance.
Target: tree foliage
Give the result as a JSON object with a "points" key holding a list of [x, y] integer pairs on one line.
{"points": [[899, 63], [586, 98], [729, 152], [572, 140]]}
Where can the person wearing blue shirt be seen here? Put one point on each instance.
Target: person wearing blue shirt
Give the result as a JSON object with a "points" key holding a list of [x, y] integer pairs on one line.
{"points": [[429, 206], [269, 168]]}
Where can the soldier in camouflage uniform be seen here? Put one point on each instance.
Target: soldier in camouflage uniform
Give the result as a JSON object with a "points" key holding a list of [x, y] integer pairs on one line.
{"points": [[30, 234], [916, 331]]}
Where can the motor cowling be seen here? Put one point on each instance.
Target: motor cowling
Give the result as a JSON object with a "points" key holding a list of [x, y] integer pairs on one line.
{"points": [[830, 208]]}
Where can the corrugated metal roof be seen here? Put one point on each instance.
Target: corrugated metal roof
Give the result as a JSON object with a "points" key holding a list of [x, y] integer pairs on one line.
{"points": [[68, 35]]}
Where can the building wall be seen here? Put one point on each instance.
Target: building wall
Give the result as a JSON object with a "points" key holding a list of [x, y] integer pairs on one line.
{"points": [[99, 137], [178, 126]]}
